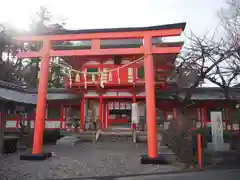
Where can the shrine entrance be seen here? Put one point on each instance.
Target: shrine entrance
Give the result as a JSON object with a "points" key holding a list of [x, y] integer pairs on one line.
{"points": [[119, 114]]}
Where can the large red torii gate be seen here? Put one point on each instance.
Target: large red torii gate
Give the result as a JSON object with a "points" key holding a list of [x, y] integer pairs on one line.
{"points": [[148, 50]]}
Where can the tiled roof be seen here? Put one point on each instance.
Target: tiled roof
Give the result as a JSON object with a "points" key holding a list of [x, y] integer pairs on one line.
{"points": [[150, 28], [15, 93]]}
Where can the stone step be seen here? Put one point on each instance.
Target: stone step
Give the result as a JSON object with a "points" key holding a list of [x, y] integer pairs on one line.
{"points": [[141, 136], [168, 154], [86, 136], [65, 133], [114, 136], [118, 129], [116, 133]]}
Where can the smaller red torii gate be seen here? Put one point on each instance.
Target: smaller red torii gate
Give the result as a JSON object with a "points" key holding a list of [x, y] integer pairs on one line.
{"points": [[148, 50]]}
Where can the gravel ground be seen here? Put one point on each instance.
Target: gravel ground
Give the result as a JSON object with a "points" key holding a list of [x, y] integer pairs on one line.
{"points": [[86, 159]]}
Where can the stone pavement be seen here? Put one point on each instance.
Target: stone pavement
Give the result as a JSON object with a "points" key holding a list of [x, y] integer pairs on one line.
{"points": [[231, 174], [84, 159]]}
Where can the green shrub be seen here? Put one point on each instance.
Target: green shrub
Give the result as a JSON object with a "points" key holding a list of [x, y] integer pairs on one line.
{"points": [[207, 134], [227, 136]]}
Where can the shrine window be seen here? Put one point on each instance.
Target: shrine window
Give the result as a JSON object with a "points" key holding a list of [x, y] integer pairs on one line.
{"points": [[141, 72], [92, 76], [12, 115], [92, 70], [54, 112]]}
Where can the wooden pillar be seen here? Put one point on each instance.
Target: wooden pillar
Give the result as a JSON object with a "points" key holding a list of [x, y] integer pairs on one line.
{"points": [[107, 114], [62, 116], [204, 116], [150, 98], [41, 99], [104, 114], [82, 113], [100, 111]]}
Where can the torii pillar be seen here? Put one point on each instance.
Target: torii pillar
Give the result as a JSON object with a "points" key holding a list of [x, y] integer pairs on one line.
{"points": [[39, 124], [152, 157]]}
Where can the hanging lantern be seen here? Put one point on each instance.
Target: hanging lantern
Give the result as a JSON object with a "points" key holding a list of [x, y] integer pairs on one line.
{"points": [[110, 76], [130, 75], [85, 79], [101, 80], [70, 77], [77, 78], [105, 76], [118, 75], [93, 78]]}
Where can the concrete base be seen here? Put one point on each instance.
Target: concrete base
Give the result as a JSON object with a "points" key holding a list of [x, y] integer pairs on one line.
{"points": [[36, 157], [158, 160], [225, 147]]}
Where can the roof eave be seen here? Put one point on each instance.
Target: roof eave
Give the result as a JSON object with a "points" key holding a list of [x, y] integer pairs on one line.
{"points": [[181, 25]]}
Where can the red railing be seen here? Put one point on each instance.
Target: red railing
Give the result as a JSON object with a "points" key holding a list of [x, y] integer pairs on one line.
{"points": [[126, 76]]}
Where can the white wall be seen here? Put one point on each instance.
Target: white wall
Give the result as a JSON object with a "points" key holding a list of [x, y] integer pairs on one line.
{"points": [[141, 94], [91, 93], [141, 109], [92, 62]]}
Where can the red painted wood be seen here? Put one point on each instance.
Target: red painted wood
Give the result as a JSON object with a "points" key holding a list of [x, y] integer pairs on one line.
{"points": [[62, 116], [41, 100], [112, 51], [104, 114], [103, 35], [100, 111], [114, 97], [112, 121], [150, 98], [82, 115], [107, 115]]}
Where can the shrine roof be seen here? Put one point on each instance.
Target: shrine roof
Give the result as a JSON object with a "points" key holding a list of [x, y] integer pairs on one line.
{"points": [[14, 93], [106, 30]]}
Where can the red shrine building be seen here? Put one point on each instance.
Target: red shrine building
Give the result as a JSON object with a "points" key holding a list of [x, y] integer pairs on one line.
{"points": [[109, 74]]}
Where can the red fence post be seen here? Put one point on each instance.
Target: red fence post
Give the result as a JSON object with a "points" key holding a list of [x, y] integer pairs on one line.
{"points": [[199, 148]]}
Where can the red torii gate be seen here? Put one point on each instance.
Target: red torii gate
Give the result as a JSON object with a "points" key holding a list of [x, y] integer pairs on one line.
{"points": [[148, 50]]}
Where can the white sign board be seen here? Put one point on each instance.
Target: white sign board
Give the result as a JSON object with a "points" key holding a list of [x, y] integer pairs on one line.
{"points": [[135, 115], [217, 130]]}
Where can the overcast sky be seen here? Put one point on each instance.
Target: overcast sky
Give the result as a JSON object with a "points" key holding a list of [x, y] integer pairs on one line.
{"points": [[200, 15]]}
